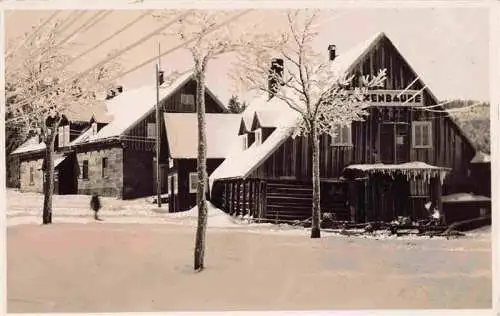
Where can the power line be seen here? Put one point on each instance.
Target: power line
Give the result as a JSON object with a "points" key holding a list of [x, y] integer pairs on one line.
{"points": [[99, 19], [72, 21], [103, 62], [135, 44], [32, 36], [128, 25], [87, 23], [178, 46]]}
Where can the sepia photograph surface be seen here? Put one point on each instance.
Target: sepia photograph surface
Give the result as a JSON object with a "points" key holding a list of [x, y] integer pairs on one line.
{"points": [[162, 160]]}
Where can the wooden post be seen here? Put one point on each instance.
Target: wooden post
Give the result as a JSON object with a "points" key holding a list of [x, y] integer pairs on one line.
{"points": [[158, 134], [244, 199], [238, 198], [365, 202]]}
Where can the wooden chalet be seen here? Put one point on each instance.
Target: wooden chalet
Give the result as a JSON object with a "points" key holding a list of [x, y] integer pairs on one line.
{"points": [[182, 136], [116, 156], [401, 157]]}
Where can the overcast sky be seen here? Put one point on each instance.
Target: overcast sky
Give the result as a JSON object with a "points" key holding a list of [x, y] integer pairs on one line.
{"points": [[448, 47]]}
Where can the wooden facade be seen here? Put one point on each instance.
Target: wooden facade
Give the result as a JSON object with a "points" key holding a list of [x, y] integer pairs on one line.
{"points": [[385, 136]]}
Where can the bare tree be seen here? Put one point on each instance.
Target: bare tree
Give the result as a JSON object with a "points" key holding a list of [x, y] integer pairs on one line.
{"points": [[213, 37], [36, 72], [308, 84]]}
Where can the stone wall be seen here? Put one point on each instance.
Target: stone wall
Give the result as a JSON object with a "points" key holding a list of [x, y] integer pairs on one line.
{"points": [[25, 184], [111, 184]]}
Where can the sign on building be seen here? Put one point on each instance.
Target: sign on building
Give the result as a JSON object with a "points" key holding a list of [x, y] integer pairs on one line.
{"points": [[395, 98]]}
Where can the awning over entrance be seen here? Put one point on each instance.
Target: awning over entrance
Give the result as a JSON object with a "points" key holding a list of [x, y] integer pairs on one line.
{"points": [[57, 162], [410, 170]]}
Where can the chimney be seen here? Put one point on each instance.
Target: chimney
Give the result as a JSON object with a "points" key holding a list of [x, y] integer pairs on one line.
{"points": [[161, 77], [114, 92], [275, 76], [332, 52]]}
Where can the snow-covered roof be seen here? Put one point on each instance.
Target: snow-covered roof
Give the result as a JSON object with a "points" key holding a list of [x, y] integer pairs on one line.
{"points": [[409, 169], [132, 105], [32, 144], [241, 163], [346, 60], [414, 165], [182, 134], [481, 157]]}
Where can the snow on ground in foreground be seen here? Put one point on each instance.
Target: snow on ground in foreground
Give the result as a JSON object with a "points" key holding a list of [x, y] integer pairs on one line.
{"points": [[25, 208]]}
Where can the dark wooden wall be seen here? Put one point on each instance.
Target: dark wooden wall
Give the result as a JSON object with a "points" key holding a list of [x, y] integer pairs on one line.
{"points": [[450, 149], [183, 199], [137, 173], [136, 137]]}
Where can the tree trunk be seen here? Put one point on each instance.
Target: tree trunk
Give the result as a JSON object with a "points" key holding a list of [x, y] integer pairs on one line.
{"points": [[48, 179], [199, 251], [316, 213]]}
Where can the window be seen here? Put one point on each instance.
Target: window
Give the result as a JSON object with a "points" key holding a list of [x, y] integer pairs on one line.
{"points": [[151, 130], [85, 170], [94, 128], [193, 182], [32, 175], [63, 136], [258, 136], [422, 134], [187, 99], [104, 167], [244, 141], [176, 183], [342, 136]]}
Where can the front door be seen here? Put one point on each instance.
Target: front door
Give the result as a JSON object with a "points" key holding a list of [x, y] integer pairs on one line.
{"points": [[394, 142]]}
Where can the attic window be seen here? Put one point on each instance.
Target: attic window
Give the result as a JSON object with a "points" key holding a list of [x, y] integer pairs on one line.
{"points": [[151, 132], [342, 136], [244, 141], [258, 136], [187, 100], [422, 134], [94, 129]]}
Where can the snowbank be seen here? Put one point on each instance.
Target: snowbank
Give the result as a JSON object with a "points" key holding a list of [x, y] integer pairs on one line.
{"points": [[458, 197]]}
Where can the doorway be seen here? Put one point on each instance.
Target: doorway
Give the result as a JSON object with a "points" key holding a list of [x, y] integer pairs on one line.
{"points": [[394, 143]]}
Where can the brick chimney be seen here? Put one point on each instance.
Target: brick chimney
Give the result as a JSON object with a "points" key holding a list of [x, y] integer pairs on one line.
{"points": [[275, 76], [332, 52], [114, 92]]}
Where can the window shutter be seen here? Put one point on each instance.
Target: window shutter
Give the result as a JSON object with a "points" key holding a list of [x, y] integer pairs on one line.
{"points": [[66, 135], [60, 137]]}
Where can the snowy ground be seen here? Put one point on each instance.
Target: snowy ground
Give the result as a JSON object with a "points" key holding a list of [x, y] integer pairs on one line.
{"points": [[110, 267]]}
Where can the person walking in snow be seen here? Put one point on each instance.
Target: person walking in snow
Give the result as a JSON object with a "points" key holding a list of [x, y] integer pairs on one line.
{"points": [[95, 205]]}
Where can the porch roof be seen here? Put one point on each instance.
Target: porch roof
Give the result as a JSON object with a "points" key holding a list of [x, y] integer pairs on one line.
{"points": [[409, 169]]}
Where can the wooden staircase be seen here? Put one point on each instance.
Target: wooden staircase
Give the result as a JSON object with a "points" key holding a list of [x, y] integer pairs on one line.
{"points": [[288, 201]]}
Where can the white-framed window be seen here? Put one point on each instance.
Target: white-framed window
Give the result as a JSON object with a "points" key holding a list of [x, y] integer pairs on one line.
{"points": [[193, 182], [151, 132], [104, 167], [187, 99], [94, 128], [422, 134], [85, 170], [63, 136], [258, 136], [342, 136], [32, 175], [173, 177], [244, 141]]}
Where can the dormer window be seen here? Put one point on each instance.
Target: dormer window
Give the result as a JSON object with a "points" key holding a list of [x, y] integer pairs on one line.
{"points": [[244, 141], [63, 136], [258, 136], [94, 128]]}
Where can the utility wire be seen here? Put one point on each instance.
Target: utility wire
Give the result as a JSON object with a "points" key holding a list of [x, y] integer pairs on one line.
{"points": [[32, 36], [133, 45], [87, 23], [104, 14]]}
